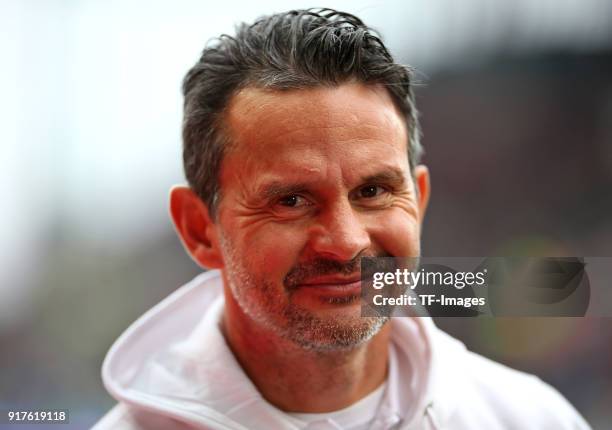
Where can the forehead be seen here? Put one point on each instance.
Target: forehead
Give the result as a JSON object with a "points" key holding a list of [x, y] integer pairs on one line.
{"points": [[258, 116], [308, 130]]}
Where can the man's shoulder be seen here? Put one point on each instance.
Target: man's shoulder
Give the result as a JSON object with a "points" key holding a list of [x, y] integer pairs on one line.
{"points": [[502, 394]]}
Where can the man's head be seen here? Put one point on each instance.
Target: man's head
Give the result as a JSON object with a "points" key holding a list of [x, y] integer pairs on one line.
{"points": [[300, 148]]}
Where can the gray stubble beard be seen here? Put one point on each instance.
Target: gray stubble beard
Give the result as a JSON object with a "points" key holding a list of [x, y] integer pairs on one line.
{"points": [[260, 301]]}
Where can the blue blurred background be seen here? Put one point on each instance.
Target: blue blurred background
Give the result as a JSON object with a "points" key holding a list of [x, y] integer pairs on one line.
{"points": [[516, 102]]}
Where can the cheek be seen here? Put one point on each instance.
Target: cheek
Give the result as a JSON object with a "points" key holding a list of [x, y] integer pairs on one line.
{"points": [[398, 234], [271, 249]]}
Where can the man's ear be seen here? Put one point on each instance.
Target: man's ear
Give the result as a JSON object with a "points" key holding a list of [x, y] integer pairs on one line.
{"points": [[194, 226], [421, 178]]}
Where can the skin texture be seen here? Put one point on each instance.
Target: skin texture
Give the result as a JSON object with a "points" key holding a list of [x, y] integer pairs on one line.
{"points": [[315, 179]]}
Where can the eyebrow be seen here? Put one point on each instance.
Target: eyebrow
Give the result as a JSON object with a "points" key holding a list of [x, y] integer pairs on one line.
{"points": [[277, 189], [391, 175]]}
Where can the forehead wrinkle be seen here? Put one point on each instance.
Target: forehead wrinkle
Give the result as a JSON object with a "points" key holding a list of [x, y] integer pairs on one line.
{"points": [[307, 136], [297, 130]]}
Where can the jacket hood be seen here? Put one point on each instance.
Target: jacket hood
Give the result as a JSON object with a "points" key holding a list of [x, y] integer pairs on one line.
{"points": [[170, 362]]}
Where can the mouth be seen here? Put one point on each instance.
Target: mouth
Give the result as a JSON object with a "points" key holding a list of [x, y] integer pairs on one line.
{"points": [[333, 285]]}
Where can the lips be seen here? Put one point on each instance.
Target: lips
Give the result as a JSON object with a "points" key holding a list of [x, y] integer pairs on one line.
{"points": [[332, 286], [330, 281]]}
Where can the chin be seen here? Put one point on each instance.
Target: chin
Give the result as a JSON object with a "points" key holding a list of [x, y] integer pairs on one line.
{"points": [[330, 331]]}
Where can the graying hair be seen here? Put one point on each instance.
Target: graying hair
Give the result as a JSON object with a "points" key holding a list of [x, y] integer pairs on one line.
{"points": [[286, 51]]}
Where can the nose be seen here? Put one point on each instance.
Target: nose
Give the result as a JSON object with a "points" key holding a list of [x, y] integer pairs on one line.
{"points": [[340, 233]]}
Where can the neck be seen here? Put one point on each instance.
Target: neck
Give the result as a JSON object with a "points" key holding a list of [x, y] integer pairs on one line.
{"points": [[296, 379]]}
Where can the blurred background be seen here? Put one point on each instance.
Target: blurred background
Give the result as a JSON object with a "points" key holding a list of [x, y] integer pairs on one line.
{"points": [[516, 102]]}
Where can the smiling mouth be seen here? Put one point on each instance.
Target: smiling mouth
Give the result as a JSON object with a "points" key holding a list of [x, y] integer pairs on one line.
{"points": [[333, 286]]}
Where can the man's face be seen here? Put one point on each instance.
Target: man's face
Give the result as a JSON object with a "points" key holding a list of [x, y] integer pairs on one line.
{"points": [[314, 180]]}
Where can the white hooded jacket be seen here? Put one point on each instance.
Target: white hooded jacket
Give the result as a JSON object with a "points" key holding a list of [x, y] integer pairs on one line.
{"points": [[172, 369]]}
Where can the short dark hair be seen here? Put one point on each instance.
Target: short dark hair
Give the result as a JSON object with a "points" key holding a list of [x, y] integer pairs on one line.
{"points": [[292, 50]]}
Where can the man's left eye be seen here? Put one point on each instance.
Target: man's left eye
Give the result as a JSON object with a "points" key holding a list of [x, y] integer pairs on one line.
{"points": [[370, 191]]}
